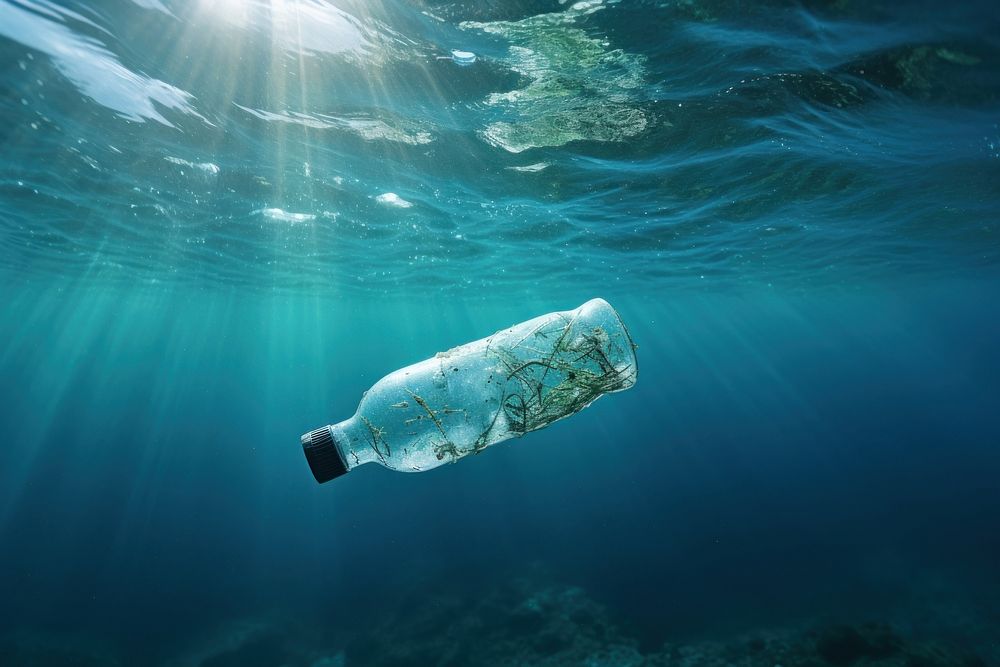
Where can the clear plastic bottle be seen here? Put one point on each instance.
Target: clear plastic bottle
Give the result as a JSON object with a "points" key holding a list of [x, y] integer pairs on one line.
{"points": [[462, 401]]}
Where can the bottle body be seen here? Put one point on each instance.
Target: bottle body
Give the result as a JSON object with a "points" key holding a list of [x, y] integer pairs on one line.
{"points": [[461, 401]]}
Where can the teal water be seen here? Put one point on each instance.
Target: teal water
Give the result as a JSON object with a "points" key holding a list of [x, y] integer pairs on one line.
{"points": [[221, 222]]}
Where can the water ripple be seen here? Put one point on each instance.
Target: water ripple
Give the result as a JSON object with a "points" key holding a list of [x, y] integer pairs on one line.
{"points": [[331, 146]]}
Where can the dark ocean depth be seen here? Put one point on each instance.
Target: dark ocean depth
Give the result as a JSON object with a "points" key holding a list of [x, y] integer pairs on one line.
{"points": [[222, 221]]}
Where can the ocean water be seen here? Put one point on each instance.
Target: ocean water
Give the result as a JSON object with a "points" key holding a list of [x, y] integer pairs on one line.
{"points": [[222, 221]]}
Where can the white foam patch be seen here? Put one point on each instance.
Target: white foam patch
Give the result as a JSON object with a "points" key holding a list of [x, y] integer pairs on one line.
{"points": [[531, 168], [366, 127], [282, 215], [392, 199], [152, 4], [372, 129], [207, 168]]}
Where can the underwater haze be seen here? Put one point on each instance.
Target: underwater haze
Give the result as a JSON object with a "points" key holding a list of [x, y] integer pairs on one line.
{"points": [[222, 221]]}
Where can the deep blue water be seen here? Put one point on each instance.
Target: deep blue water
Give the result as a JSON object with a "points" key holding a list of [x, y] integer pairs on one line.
{"points": [[221, 222]]}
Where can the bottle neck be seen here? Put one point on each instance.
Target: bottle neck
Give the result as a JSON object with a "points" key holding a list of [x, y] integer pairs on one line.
{"points": [[353, 439]]}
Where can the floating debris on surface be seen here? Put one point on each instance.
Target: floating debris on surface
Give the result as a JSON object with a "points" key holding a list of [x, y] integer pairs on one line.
{"points": [[207, 168], [463, 57], [392, 199], [282, 215]]}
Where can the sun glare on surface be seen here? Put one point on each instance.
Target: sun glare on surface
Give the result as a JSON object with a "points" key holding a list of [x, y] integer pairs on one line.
{"points": [[295, 25]]}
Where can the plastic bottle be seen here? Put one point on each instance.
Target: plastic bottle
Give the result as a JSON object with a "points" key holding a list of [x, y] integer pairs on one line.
{"points": [[462, 401]]}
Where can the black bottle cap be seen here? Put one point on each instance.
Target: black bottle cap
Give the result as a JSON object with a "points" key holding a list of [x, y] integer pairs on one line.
{"points": [[322, 455]]}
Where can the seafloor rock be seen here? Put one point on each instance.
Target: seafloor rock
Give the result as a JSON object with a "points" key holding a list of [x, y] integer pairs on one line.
{"points": [[536, 622], [552, 625], [845, 644], [519, 624], [866, 645]]}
